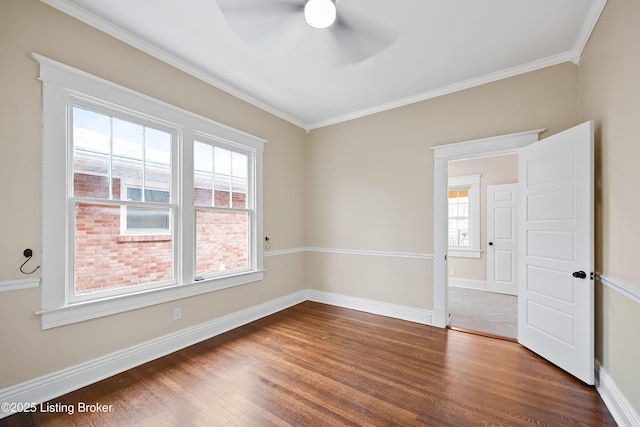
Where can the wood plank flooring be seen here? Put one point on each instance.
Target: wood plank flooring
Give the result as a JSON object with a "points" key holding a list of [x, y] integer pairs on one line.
{"points": [[315, 364]]}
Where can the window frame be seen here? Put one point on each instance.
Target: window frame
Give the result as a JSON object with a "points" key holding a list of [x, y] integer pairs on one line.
{"points": [[471, 183], [250, 205], [61, 82]]}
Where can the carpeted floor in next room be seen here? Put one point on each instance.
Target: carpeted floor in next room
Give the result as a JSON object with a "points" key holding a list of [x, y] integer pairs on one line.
{"points": [[483, 311]]}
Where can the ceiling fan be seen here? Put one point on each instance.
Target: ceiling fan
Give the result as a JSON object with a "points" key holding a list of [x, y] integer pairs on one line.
{"points": [[336, 32]]}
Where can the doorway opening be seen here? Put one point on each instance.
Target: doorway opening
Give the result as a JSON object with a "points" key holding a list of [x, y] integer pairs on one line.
{"points": [[443, 155], [482, 245]]}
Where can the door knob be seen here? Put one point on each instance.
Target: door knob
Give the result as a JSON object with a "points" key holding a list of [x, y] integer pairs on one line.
{"points": [[579, 274], [490, 243]]}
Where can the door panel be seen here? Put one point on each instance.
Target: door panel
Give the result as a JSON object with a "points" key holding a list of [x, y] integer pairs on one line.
{"points": [[552, 283], [562, 203], [551, 322], [550, 244], [555, 313], [503, 238]]}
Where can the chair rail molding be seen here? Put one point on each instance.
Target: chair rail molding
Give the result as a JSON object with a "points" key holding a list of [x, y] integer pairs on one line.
{"points": [[620, 287], [18, 284]]}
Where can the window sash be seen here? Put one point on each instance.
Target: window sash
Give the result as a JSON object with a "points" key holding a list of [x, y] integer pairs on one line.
{"points": [[216, 145], [146, 124], [72, 295]]}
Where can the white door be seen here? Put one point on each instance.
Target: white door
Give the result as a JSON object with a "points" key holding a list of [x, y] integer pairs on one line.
{"points": [[502, 238], [555, 304]]}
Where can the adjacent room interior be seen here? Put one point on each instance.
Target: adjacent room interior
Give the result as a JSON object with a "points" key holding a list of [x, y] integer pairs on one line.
{"points": [[259, 208], [482, 286]]}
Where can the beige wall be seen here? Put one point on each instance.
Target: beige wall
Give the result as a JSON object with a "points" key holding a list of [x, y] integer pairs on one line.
{"points": [[371, 179], [494, 171], [28, 26], [610, 95]]}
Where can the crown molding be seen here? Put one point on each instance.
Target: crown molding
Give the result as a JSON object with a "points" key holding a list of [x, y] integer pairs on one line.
{"points": [[587, 28], [455, 87], [139, 43]]}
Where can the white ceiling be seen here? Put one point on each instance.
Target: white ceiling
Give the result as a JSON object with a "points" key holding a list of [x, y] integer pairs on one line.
{"points": [[280, 64]]}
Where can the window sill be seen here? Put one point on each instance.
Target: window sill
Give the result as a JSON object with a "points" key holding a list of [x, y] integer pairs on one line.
{"points": [[464, 253], [78, 312]]}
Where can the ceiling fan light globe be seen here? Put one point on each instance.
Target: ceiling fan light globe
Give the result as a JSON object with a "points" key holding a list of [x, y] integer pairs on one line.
{"points": [[320, 13]]}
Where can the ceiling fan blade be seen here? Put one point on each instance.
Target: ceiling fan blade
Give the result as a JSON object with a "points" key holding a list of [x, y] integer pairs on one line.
{"points": [[259, 20], [360, 37], [260, 7]]}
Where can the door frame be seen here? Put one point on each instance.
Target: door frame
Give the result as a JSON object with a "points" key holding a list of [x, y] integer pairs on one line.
{"points": [[442, 154]]}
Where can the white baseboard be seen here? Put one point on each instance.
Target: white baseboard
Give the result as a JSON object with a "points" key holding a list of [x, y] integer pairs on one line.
{"points": [[459, 282], [58, 383], [375, 307], [620, 408]]}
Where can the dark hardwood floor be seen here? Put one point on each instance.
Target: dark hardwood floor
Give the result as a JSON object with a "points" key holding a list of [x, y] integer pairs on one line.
{"points": [[315, 364]]}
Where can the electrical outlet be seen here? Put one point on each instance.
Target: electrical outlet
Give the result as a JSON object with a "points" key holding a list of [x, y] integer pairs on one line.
{"points": [[177, 313]]}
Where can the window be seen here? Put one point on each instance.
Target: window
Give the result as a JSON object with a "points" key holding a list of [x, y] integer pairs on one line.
{"points": [[145, 202], [459, 218], [223, 210], [464, 216]]}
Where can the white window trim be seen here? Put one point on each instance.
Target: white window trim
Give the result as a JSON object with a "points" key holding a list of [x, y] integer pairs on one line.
{"points": [[59, 81], [472, 183]]}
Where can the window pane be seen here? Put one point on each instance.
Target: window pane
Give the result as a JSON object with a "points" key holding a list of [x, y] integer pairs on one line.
{"points": [[222, 161], [148, 219], [134, 194], [104, 260], [128, 151], [239, 180], [156, 196], [157, 156], [463, 210], [459, 218], [222, 241], [453, 237], [203, 174], [91, 153], [222, 178], [453, 209]]}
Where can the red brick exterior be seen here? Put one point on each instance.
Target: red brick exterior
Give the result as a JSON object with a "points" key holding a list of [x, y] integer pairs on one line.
{"points": [[106, 259]]}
